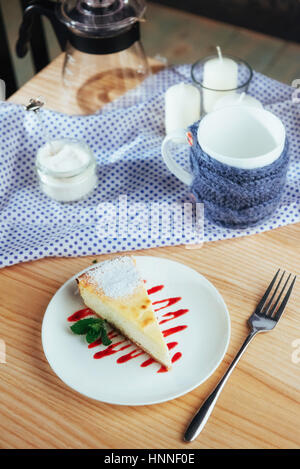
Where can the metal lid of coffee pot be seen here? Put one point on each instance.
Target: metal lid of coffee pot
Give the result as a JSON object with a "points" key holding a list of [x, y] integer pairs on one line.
{"points": [[92, 26], [101, 18]]}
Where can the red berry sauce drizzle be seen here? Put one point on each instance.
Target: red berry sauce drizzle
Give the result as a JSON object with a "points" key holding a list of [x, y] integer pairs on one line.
{"points": [[123, 344]]}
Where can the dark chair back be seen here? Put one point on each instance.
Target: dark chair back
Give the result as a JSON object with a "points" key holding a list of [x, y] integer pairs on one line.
{"points": [[38, 46]]}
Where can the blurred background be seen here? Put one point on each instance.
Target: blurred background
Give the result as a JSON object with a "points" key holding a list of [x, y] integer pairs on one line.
{"points": [[265, 33]]}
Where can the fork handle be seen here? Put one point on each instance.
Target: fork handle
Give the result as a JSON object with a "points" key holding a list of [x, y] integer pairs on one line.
{"points": [[201, 417]]}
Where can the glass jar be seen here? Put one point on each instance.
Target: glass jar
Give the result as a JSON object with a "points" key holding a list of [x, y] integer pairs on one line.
{"points": [[57, 178]]}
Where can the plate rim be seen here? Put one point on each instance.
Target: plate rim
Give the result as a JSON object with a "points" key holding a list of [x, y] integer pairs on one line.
{"points": [[157, 401]]}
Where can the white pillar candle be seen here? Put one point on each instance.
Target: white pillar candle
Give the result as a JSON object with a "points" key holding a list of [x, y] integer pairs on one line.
{"points": [[220, 73], [182, 107], [242, 99]]}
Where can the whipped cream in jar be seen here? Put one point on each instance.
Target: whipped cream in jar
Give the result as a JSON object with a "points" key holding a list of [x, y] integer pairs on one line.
{"points": [[66, 169]]}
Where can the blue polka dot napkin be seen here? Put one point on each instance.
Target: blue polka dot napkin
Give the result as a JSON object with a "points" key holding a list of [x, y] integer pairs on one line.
{"points": [[126, 137]]}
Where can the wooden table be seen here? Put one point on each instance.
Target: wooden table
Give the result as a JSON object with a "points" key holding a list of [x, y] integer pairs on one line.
{"points": [[259, 407]]}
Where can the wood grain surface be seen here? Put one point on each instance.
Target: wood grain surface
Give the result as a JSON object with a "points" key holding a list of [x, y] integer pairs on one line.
{"points": [[259, 407]]}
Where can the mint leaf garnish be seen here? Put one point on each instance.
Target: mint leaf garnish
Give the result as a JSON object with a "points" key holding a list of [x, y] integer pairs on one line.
{"points": [[104, 337], [81, 327], [92, 328], [92, 335]]}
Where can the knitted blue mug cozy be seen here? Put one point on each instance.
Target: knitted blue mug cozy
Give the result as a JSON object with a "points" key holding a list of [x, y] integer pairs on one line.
{"points": [[235, 197]]}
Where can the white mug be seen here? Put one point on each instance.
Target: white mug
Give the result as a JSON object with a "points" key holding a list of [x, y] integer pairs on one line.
{"points": [[239, 136]]}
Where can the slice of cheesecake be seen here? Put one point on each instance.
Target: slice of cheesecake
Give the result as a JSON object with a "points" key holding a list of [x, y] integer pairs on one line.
{"points": [[115, 291]]}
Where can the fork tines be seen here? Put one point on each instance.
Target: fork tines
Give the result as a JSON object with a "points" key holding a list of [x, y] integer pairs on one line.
{"points": [[268, 309]]}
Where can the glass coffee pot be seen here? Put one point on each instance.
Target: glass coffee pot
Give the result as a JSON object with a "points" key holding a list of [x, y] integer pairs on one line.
{"points": [[104, 56]]}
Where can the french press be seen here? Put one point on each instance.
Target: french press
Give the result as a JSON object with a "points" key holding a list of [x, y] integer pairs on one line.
{"points": [[104, 56]]}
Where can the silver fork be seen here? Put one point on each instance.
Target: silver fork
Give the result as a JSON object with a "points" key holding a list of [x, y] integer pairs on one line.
{"points": [[264, 319]]}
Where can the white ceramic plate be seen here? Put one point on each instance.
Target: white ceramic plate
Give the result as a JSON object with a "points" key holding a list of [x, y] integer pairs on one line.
{"points": [[202, 343]]}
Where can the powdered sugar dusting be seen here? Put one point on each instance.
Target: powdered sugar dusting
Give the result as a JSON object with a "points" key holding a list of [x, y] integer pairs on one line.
{"points": [[117, 277]]}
